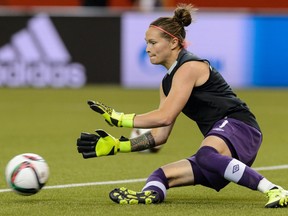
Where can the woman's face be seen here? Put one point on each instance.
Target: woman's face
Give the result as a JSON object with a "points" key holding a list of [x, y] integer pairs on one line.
{"points": [[158, 47]]}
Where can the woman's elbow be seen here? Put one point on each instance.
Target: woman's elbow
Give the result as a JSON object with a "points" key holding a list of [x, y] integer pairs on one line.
{"points": [[167, 121]]}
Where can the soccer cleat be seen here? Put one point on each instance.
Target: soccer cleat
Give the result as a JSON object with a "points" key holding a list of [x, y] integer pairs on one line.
{"points": [[278, 198], [125, 196]]}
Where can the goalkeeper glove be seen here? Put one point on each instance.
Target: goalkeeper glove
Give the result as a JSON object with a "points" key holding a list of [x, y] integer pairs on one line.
{"points": [[101, 144], [112, 117]]}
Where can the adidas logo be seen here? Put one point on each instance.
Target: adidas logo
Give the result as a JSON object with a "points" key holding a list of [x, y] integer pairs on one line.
{"points": [[36, 56]]}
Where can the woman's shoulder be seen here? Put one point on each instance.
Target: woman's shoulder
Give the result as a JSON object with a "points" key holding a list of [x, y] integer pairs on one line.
{"points": [[185, 56]]}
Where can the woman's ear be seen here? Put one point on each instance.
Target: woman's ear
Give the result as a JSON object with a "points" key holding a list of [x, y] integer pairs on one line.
{"points": [[174, 43]]}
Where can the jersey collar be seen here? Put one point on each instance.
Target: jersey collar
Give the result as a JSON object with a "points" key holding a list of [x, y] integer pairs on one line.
{"points": [[172, 67]]}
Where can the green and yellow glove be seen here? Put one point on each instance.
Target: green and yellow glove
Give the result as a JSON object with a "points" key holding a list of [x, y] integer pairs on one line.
{"points": [[101, 144], [112, 117]]}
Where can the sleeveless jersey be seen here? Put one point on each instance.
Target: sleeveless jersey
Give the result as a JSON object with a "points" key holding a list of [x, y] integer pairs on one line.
{"points": [[212, 101]]}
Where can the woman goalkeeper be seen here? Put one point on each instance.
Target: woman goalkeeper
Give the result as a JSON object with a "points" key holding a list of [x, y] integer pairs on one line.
{"points": [[232, 136]]}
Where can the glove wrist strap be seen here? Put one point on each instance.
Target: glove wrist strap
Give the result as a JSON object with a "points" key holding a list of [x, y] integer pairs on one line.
{"points": [[124, 145], [128, 120]]}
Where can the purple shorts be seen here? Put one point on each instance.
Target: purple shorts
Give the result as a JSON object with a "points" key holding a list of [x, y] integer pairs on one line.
{"points": [[243, 141]]}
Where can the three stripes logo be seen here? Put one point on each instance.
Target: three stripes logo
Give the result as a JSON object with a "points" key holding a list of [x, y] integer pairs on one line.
{"points": [[36, 56]]}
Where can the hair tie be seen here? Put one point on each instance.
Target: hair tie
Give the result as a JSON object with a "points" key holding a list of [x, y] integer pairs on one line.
{"points": [[179, 21]]}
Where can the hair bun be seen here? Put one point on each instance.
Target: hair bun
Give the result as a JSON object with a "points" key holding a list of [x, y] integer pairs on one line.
{"points": [[182, 14]]}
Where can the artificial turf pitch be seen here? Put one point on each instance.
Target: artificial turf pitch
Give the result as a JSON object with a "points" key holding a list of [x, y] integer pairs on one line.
{"points": [[48, 122]]}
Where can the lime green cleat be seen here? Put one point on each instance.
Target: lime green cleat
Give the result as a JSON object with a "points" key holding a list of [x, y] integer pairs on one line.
{"points": [[278, 198], [125, 196]]}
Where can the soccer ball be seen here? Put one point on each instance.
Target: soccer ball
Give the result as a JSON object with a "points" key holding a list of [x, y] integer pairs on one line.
{"points": [[139, 131], [27, 173]]}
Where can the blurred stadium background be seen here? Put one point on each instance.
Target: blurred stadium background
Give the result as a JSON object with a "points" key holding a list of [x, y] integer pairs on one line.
{"points": [[66, 44], [55, 55]]}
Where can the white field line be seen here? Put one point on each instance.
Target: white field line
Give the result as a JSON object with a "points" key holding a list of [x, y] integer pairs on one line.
{"points": [[285, 166], [86, 184]]}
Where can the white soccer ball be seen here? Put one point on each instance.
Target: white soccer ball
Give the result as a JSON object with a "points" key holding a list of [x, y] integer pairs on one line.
{"points": [[139, 131], [27, 173]]}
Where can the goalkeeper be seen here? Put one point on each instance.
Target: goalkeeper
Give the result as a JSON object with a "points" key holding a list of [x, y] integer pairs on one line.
{"points": [[232, 136]]}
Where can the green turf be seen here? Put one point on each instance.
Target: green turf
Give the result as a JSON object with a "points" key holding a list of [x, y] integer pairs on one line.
{"points": [[48, 122]]}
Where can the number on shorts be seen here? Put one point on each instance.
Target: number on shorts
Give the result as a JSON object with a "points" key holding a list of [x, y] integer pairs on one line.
{"points": [[223, 124]]}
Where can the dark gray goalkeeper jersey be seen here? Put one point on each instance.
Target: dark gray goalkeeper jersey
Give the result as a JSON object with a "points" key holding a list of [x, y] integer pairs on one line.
{"points": [[212, 101]]}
